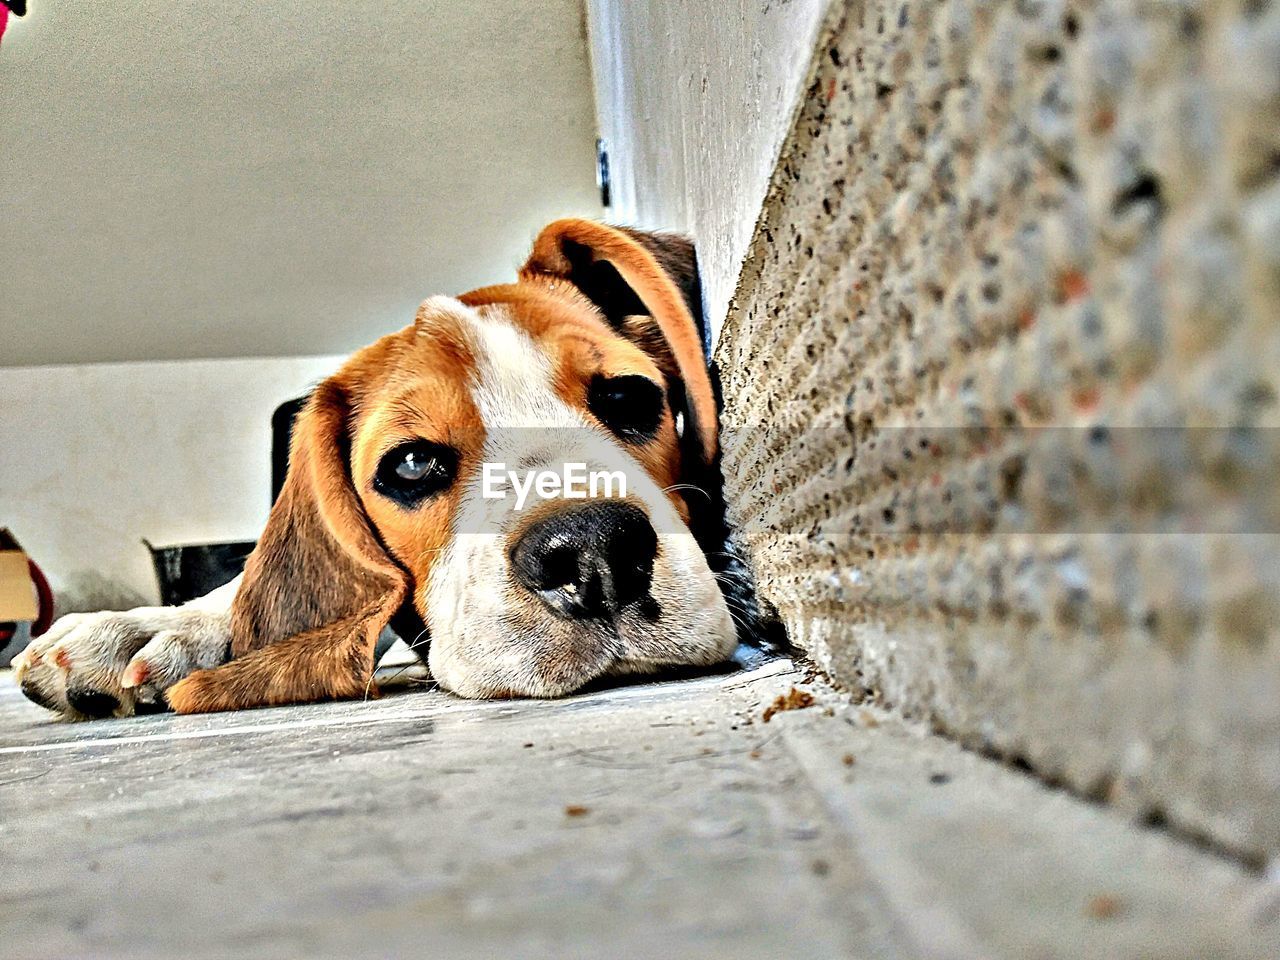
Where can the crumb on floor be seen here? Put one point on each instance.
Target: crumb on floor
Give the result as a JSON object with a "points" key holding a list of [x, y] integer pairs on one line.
{"points": [[793, 699]]}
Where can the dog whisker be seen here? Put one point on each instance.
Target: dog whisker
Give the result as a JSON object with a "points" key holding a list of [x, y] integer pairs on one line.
{"points": [[687, 486], [419, 640]]}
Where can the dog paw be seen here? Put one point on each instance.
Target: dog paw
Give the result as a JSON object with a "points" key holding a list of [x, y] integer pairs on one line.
{"points": [[117, 664]]}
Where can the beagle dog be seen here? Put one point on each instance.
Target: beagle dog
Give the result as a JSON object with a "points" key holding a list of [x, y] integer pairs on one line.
{"points": [[395, 510]]}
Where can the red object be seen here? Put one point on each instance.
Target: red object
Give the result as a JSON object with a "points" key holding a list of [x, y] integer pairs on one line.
{"points": [[4, 19], [45, 597]]}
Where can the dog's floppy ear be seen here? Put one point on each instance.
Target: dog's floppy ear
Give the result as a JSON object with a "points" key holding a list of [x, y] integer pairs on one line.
{"points": [[317, 590], [318, 561], [627, 273]]}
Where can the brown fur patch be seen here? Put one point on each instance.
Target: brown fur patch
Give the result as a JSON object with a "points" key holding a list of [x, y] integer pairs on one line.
{"points": [[651, 284]]}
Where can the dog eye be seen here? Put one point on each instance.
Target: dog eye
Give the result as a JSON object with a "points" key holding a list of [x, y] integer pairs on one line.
{"points": [[414, 471], [630, 406]]}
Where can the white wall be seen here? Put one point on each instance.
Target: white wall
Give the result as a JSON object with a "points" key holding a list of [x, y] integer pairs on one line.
{"points": [[694, 100], [95, 457], [186, 180]]}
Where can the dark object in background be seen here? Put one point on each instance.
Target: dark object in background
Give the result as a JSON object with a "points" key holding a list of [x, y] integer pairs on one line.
{"points": [[190, 571], [602, 173], [17, 7], [187, 572], [281, 437]]}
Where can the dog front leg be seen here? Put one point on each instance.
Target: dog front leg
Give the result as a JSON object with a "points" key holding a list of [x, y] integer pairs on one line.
{"points": [[118, 663]]}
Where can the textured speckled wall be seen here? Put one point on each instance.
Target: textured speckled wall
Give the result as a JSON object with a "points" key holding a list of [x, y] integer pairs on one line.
{"points": [[1001, 377]]}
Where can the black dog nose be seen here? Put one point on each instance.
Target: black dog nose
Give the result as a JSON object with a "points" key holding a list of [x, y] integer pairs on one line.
{"points": [[590, 561]]}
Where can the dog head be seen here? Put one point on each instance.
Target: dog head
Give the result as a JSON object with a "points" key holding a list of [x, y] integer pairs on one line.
{"points": [[526, 465]]}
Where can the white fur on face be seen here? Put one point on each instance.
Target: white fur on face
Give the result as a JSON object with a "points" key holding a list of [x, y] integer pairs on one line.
{"points": [[489, 635]]}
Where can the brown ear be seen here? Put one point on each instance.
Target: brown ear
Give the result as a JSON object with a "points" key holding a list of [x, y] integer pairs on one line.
{"points": [[317, 590], [627, 272]]}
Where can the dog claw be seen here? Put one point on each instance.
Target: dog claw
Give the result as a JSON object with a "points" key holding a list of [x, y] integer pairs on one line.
{"points": [[136, 674]]}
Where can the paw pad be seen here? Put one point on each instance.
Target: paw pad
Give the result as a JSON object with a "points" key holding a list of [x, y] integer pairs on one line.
{"points": [[92, 703]]}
